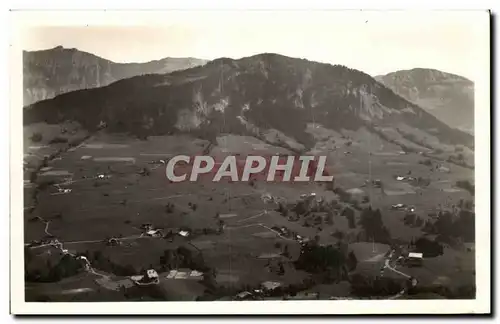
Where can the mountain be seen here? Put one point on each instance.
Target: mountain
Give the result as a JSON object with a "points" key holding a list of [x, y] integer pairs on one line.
{"points": [[447, 96], [257, 94], [51, 72]]}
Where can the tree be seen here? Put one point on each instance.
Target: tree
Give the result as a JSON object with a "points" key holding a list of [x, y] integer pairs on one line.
{"points": [[371, 221], [36, 137], [349, 214], [282, 209], [329, 218], [428, 248], [281, 270], [286, 253], [338, 235], [352, 261], [328, 260]]}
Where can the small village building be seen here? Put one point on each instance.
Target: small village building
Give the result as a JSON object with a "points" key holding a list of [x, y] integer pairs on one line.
{"points": [[244, 295], [152, 274], [196, 275], [183, 233], [414, 259], [112, 242], [154, 233], [270, 285], [182, 274], [171, 274], [398, 206]]}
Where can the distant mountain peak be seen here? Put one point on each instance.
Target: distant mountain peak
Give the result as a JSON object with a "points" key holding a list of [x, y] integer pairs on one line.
{"points": [[447, 96], [426, 74], [48, 73]]}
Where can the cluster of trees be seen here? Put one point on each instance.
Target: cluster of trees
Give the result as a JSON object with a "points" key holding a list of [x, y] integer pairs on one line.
{"points": [[459, 159], [314, 213], [369, 286], [413, 138], [344, 196], [466, 204], [333, 263], [465, 184], [36, 137], [411, 219], [429, 248], [452, 226], [427, 162], [169, 208], [373, 226], [421, 182], [182, 257], [464, 291], [104, 263], [350, 215], [66, 266], [58, 140]]}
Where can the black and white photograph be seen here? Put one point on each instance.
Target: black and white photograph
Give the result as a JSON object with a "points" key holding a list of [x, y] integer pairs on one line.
{"points": [[248, 161]]}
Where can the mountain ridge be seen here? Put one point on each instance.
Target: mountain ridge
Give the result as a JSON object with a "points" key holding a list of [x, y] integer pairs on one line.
{"points": [[253, 94], [447, 96], [48, 73]]}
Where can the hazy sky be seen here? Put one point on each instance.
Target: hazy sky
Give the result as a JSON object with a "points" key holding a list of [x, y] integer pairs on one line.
{"points": [[376, 43]]}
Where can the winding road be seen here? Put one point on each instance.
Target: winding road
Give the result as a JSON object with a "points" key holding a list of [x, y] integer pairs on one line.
{"points": [[387, 265]]}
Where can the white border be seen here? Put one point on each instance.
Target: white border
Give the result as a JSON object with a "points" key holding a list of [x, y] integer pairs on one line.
{"points": [[18, 306]]}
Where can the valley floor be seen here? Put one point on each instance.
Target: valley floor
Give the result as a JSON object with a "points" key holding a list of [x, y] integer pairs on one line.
{"points": [[102, 198]]}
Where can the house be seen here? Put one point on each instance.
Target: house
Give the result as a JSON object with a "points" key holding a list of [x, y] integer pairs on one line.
{"points": [[398, 206], [183, 233], [267, 198], [270, 285], [182, 274], [112, 242], [414, 259], [197, 275], [245, 295], [154, 233], [152, 274], [172, 274]]}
